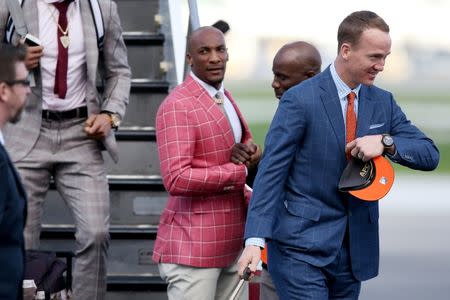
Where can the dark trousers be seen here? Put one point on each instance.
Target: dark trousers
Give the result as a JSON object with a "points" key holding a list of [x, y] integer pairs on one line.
{"points": [[295, 279]]}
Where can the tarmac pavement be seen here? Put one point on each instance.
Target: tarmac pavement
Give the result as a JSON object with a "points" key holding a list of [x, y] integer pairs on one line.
{"points": [[414, 241]]}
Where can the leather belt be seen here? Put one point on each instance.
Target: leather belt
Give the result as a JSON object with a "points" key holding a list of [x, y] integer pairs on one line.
{"points": [[79, 112]]}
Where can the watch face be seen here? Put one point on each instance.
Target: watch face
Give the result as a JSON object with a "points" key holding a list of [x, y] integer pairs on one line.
{"points": [[388, 141], [115, 120]]}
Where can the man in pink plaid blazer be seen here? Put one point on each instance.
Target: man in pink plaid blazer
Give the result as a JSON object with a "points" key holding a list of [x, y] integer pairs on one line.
{"points": [[201, 230]]}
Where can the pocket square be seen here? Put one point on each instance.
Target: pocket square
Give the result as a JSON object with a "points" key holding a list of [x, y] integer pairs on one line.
{"points": [[373, 126]]}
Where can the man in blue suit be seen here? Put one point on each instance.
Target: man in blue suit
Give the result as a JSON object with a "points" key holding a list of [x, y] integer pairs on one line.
{"points": [[323, 243], [14, 88]]}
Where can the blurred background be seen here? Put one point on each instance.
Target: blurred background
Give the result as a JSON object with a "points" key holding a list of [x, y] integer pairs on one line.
{"points": [[415, 216]]}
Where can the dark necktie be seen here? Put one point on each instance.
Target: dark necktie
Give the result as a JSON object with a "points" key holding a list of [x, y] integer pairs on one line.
{"points": [[63, 44], [350, 120]]}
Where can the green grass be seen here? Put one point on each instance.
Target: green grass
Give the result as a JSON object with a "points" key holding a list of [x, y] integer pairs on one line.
{"points": [[444, 163], [263, 90], [433, 97], [259, 131]]}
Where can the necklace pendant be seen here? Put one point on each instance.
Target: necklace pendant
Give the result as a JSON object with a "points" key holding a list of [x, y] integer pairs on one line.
{"points": [[65, 40]]}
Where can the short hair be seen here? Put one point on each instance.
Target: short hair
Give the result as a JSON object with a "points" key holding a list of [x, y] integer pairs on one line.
{"points": [[9, 56], [352, 27]]}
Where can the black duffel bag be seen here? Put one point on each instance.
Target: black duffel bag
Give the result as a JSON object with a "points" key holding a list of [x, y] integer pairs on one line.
{"points": [[46, 270]]}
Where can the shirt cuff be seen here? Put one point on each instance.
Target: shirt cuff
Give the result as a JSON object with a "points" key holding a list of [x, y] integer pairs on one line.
{"points": [[394, 157], [260, 242]]}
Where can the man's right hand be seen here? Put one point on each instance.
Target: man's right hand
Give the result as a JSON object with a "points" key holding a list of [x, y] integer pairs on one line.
{"points": [[248, 154], [250, 257], [34, 54], [241, 153]]}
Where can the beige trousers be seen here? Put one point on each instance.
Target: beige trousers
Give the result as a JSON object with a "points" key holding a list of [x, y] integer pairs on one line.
{"points": [[189, 283]]}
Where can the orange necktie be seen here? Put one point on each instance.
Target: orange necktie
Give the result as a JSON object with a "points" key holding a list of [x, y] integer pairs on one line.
{"points": [[350, 120]]}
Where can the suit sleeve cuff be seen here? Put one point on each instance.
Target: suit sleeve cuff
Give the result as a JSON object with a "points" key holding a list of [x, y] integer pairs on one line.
{"points": [[394, 157], [260, 242]]}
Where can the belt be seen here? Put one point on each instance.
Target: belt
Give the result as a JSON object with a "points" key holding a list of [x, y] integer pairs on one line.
{"points": [[79, 112]]}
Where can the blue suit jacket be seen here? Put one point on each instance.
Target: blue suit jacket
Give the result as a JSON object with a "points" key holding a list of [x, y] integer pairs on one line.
{"points": [[296, 200], [12, 221]]}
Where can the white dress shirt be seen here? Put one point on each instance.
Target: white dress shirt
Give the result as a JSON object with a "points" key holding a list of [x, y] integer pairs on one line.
{"points": [[343, 90], [76, 69], [2, 140], [227, 105]]}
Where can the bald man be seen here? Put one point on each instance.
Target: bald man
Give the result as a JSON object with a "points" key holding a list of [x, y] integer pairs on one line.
{"points": [[200, 233], [292, 64]]}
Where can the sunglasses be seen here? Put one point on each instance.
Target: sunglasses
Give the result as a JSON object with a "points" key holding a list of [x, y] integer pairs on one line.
{"points": [[24, 82]]}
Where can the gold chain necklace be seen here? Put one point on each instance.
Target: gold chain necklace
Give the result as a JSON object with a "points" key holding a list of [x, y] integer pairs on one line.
{"points": [[64, 38]]}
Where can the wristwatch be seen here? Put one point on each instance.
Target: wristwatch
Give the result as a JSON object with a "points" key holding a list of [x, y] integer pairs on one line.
{"points": [[114, 119], [387, 141]]}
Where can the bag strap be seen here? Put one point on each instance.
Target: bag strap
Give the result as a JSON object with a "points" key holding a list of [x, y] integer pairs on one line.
{"points": [[16, 20], [98, 20]]}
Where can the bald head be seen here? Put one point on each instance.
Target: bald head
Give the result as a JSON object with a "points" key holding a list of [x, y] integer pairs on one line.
{"points": [[294, 63], [199, 34], [207, 55], [302, 54]]}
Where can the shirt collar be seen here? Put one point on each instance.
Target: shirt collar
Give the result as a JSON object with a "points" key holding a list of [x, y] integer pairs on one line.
{"points": [[342, 88], [54, 1], [212, 91], [2, 140]]}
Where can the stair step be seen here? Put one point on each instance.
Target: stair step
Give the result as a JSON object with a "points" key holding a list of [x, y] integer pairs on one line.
{"points": [[135, 183], [143, 106], [130, 249], [136, 283], [134, 200], [139, 295], [138, 14], [136, 133], [144, 57], [135, 232], [130, 182], [142, 38], [137, 152], [136, 157], [144, 85]]}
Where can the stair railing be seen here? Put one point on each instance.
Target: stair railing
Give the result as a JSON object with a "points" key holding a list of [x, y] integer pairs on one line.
{"points": [[194, 23]]}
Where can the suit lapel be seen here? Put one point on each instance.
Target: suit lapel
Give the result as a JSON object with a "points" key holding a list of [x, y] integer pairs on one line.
{"points": [[212, 109], [31, 15], [90, 45], [330, 100], [365, 111]]}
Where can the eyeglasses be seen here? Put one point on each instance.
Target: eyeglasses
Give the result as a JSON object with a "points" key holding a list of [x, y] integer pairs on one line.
{"points": [[24, 82]]}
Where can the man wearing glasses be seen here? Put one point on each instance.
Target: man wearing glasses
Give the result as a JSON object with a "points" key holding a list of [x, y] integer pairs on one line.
{"points": [[67, 123], [14, 88]]}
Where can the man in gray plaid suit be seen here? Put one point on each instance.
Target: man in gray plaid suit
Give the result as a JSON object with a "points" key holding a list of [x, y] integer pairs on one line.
{"points": [[66, 123]]}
